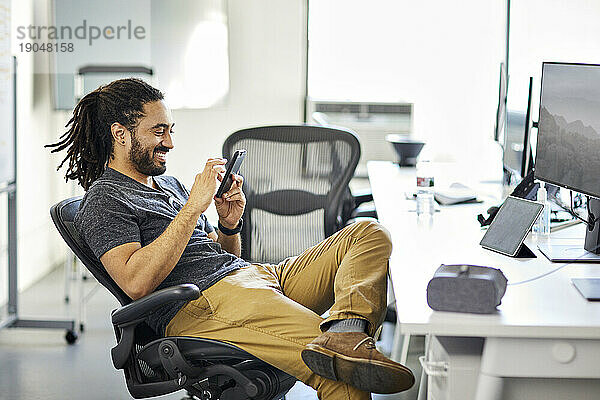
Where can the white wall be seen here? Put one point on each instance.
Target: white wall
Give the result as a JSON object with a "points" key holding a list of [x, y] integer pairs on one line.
{"points": [[267, 61], [549, 30], [39, 247]]}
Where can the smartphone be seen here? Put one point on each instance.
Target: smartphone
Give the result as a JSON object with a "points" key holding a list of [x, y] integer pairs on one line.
{"points": [[233, 167]]}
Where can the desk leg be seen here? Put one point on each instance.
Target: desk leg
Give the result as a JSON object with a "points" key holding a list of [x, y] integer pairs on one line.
{"points": [[489, 387], [405, 344], [396, 343], [422, 394], [400, 354]]}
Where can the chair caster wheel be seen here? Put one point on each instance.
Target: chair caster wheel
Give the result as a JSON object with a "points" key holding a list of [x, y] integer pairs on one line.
{"points": [[71, 337]]}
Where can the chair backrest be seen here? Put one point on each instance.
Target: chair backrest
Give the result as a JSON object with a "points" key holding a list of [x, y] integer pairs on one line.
{"points": [[295, 178], [63, 214]]}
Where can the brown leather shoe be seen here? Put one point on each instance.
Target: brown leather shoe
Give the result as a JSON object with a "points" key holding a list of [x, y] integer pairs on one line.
{"points": [[351, 357]]}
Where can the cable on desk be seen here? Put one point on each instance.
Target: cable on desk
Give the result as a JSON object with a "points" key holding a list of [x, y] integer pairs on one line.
{"points": [[574, 214], [570, 209], [539, 276]]}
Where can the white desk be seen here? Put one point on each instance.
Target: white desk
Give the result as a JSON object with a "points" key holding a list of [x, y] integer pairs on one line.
{"points": [[547, 317]]}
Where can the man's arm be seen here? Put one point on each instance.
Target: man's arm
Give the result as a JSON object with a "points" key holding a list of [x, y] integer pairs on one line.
{"points": [[139, 270], [231, 244]]}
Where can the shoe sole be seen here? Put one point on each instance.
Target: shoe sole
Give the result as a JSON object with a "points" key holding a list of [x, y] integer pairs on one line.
{"points": [[366, 375]]}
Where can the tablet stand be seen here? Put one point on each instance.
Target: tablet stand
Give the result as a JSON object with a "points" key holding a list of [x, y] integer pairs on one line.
{"points": [[525, 252]]}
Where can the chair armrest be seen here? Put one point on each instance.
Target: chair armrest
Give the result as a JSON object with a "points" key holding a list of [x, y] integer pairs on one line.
{"points": [[126, 318], [139, 309]]}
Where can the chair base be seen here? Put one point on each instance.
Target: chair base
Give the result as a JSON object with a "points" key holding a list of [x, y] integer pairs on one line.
{"points": [[212, 369]]}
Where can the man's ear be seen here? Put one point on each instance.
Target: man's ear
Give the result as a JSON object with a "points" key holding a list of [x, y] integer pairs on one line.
{"points": [[119, 133]]}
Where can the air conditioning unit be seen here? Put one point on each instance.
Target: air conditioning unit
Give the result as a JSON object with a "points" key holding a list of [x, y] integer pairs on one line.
{"points": [[371, 121]]}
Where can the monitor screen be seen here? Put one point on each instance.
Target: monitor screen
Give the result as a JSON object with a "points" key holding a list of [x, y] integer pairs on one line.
{"points": [[526, 160], [517, 146], [501, 110], [568, 143], [513, 141]]}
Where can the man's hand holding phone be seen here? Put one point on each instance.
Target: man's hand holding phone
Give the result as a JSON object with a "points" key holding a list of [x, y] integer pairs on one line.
{"points": [[230, 206], [229, 197]]}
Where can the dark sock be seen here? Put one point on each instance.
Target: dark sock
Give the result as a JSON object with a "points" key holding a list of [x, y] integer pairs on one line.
{"points": [[348, 325]]}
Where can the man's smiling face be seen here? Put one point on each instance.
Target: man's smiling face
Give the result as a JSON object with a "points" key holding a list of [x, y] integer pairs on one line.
{"points": [[152, 140]]}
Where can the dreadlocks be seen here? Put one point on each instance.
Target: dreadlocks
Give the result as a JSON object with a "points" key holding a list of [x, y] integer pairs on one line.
{"points": [[89, 139]]}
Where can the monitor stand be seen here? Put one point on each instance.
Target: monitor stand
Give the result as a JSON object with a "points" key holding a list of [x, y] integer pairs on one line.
{"points": [[586, 252], [567, 253]]}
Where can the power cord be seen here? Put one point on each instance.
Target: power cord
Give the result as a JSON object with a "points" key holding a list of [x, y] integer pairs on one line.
{"points": [[591, 221], [539, 276], [545, 273], [576, 203], [567, 208]]}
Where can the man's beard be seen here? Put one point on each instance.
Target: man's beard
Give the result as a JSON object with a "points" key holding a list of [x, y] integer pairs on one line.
{"points": [[143, 159]]}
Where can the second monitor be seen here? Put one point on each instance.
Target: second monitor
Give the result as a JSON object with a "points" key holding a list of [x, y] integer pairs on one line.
{"points": [[568, 143]]}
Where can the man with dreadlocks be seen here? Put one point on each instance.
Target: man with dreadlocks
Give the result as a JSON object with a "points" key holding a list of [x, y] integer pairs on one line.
{"points": [[150, 232]]}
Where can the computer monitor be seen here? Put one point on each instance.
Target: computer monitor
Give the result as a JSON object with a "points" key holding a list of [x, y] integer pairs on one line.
{"points": [[568, 142], [513, 147], [501, 110], [526, 160], [518, 153], [517, 148]]}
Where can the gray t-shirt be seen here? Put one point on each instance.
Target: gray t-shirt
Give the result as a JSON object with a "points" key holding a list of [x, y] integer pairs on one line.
{"points": [[118, 209]]}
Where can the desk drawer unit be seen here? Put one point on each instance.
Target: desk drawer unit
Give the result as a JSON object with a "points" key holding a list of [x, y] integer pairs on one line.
{"points": [[452, 367]]}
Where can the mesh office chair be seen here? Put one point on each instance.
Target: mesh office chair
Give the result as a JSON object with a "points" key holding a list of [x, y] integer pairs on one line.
{"points": [[296, 181], [296, 185], [155, 365]]}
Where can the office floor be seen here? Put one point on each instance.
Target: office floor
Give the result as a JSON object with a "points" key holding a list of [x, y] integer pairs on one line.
{"points": [[38, 364]]}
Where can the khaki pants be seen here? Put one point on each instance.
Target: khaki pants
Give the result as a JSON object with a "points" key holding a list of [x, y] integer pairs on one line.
{"points": [[273, 311]]}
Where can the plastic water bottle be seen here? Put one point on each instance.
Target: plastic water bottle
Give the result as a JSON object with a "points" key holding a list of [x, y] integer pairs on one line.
{"points": [[542, 226], [425, 188]]}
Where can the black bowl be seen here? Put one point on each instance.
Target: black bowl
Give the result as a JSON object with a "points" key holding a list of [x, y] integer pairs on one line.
{"points": [[407, 149]]}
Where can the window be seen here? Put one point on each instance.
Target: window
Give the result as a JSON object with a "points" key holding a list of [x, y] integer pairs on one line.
{"points": [[441, 56]]}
